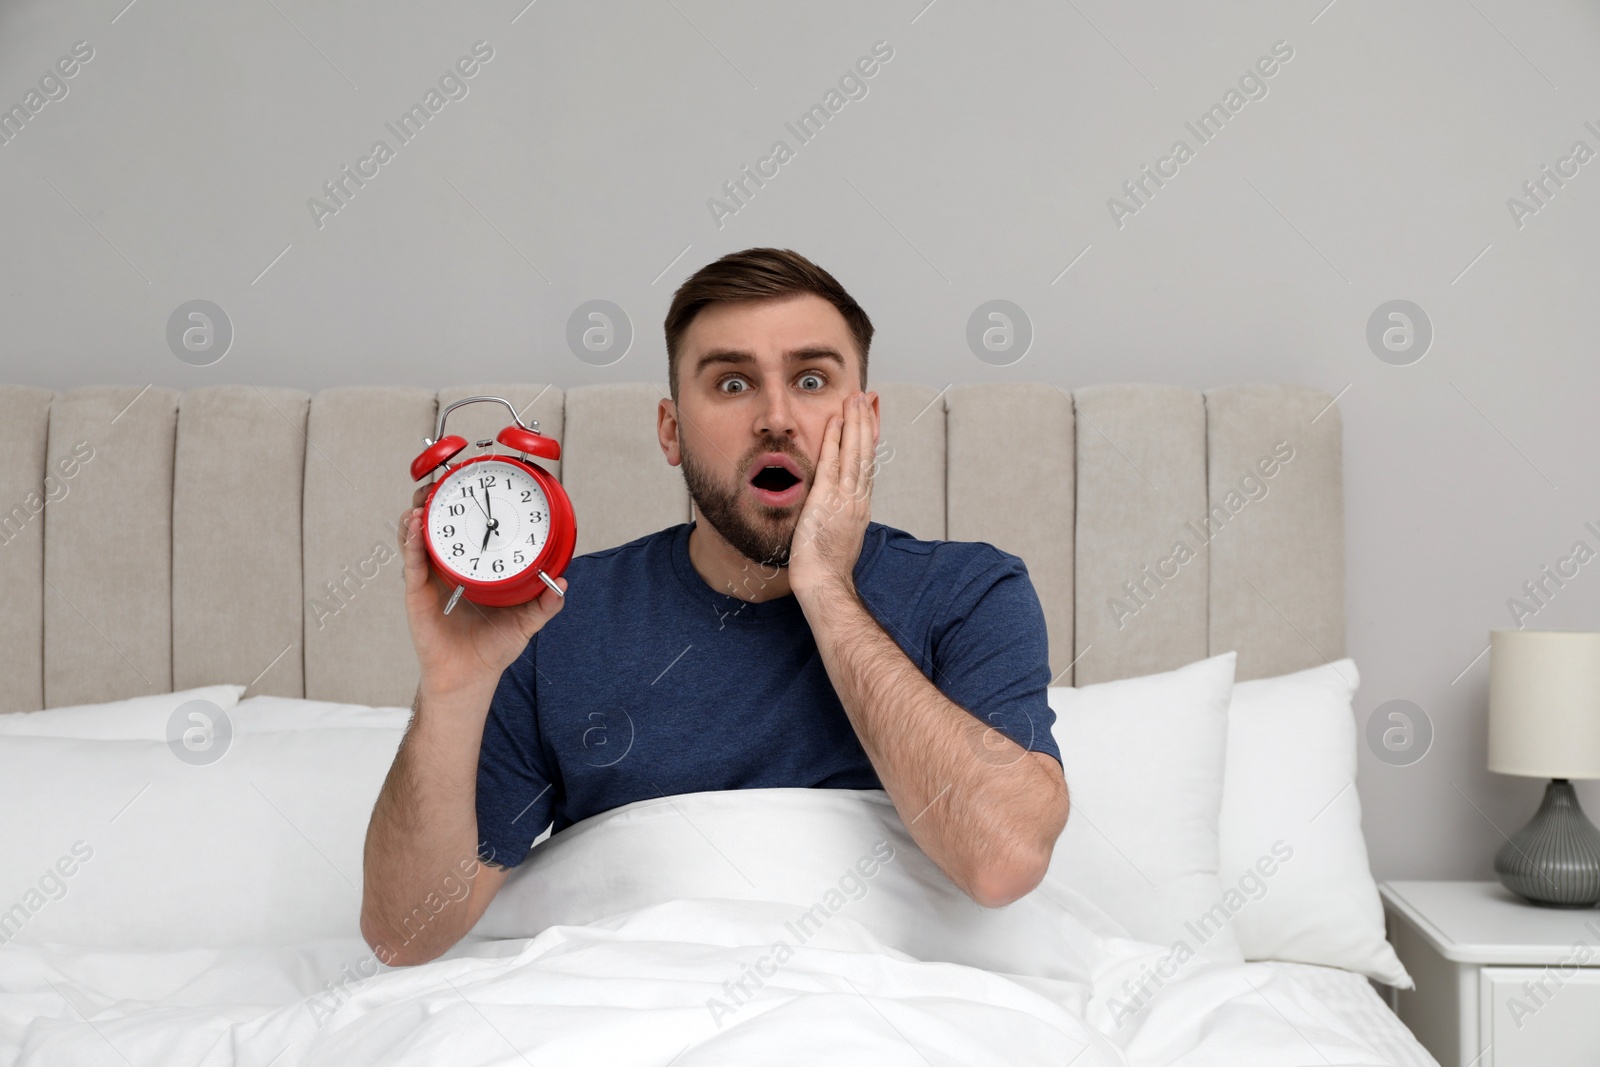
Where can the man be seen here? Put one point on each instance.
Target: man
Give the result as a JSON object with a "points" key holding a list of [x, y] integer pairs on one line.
{"points": [[780, 639]]}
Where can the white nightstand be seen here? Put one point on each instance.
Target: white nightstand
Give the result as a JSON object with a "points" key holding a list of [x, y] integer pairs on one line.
{"points": [[1500, 982]]}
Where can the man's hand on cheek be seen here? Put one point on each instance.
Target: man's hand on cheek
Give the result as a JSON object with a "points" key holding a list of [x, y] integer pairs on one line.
{"points": [[834, 517]]}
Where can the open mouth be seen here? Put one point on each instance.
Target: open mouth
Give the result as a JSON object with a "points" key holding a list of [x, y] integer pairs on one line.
{"points": [[776, 481]]}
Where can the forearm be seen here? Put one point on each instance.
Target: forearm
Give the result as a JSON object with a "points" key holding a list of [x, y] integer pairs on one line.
{"points": [[424, 827], [981, 806]]}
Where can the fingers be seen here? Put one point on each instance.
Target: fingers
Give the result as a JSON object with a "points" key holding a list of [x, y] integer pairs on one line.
{"points": [[402, 530], [543, 608], [828, 461], [411, 550], [845, 462], [549, 603], [850, 445], [869, 442], [421, 494], [860, 449]]}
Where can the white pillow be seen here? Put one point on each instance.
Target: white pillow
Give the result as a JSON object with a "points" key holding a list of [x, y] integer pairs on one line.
{"points": [[1292, 850], [150, 718], [136, 717], [1144, 761], [127, 845], [263, 714]]}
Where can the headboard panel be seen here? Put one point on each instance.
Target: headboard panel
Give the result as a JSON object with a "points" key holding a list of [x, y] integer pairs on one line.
{"points": [[1141, 474], [107, 626], [620, 484], [238, 480], [1011, 470], [357, 646], [908, 489], [281, 492], [24, 434], [1277, 562]]}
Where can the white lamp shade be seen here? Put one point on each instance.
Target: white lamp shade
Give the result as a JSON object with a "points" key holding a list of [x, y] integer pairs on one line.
{"points": [[1544, 703]]}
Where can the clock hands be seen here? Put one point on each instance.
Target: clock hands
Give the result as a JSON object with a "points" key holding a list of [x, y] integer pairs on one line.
{"points": [[488, 513]]}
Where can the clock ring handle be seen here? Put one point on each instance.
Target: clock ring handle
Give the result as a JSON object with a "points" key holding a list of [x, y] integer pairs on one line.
{"points": [[438, 431]]}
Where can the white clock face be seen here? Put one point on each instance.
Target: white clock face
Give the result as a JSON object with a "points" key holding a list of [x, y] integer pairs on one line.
{"points": [[489, 521]]}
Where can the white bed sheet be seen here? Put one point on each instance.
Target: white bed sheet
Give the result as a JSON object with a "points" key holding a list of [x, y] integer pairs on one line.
{"points": [[1352, 997], [902, 973], [255, 1006]]}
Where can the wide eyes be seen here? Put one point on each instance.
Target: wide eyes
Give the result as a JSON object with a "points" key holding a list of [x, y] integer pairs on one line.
{"points": [[809, 381]]}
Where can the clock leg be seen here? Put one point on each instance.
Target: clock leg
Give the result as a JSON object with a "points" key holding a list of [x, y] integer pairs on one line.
{"points": [[553, 586], [454, 597]]}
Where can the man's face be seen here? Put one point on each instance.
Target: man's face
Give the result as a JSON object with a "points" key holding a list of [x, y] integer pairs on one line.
{"points": [[757, 382]]}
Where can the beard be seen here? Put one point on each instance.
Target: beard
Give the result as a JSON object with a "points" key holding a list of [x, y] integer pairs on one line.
{"points": [[761, 534]]}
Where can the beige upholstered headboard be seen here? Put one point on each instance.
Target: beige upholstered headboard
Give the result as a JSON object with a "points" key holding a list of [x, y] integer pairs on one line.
{"points": [[153, 540]]}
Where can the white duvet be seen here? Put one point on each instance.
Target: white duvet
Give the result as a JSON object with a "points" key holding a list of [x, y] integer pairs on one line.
{"points": [[750, 927]]}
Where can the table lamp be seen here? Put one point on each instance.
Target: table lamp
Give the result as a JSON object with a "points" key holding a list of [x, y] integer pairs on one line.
{"points": [[1544, 722]]}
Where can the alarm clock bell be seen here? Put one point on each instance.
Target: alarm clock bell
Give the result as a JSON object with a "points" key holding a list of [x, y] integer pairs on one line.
{"points": [[497, 526]]}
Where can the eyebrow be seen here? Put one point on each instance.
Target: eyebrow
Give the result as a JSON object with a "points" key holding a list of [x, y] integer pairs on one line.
{"points": [[740, 356]]}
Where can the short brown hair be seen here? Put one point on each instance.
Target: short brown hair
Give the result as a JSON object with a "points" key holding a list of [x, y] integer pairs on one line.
{"points": [[759, 274]]}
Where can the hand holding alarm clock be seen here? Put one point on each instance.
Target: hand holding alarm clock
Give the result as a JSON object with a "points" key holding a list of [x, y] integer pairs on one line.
{"points": [[498, 529], [505, 559]]}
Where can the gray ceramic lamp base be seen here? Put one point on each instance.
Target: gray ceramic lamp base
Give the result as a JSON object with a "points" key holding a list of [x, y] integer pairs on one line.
{"points": [[1554, 860]]}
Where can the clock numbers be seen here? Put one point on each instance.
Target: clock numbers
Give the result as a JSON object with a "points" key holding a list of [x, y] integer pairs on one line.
{"points": [[475, 511]]}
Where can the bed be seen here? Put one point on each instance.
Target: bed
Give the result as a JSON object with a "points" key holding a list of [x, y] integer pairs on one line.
{"points": [[228, 551]]}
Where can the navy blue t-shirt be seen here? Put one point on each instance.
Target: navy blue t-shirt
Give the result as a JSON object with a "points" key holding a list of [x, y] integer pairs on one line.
{"points": [[651, 683]]}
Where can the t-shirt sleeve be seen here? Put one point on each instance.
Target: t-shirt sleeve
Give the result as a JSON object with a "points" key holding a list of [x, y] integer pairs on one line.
{"points": [[992, 654], [516, 792]]}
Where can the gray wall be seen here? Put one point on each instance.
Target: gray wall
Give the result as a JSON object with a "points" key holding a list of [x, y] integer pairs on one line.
{"points": [[977, 166]]}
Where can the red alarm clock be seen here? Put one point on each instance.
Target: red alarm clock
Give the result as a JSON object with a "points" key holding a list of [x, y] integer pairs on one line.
{"points": [[498, 527]]}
